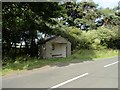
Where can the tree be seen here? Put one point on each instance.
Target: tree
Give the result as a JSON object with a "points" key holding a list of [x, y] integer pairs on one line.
{"points": [[22, 20], [81, 14]]}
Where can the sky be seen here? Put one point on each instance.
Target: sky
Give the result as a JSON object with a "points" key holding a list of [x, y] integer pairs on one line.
{"points": [[105, 3]]}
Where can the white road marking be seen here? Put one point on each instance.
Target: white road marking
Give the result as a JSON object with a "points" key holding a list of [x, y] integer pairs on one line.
{"points": [[111, 64], [63, 83]]}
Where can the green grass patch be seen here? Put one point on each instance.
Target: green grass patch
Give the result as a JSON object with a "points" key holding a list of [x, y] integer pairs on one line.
{"points": [[94, 54], [31, 63]]}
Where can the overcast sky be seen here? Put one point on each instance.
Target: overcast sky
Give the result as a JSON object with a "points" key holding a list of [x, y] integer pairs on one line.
{"points": [[106, 3]]}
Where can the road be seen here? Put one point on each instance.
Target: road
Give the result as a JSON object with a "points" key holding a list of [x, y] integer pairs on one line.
{"points": [[102, 73]]}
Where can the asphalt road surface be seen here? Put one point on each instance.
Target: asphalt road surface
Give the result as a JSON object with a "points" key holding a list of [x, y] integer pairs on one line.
{"points": [[102, 73]]}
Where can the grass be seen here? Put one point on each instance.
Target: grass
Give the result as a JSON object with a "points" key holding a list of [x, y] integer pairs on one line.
{"points": [[22, 64]]}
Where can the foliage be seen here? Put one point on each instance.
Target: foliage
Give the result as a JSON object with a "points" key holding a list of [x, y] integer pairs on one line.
{"points": [[22, 21], [32, 63], [114, 41], [83, 13], [94, 39]]}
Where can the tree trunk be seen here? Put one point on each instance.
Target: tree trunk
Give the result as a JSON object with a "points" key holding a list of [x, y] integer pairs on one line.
{"points": [[32, 47]]}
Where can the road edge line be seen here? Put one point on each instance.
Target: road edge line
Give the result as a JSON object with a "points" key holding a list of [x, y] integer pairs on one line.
{"points": [[65, 82], [111, 64]]}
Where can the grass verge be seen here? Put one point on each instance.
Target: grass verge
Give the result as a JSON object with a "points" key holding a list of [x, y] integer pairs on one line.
{"points": [[22, 64]]}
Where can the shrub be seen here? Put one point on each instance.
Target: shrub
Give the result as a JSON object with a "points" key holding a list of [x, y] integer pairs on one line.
{"points": [[109, 37], [95, 39]]}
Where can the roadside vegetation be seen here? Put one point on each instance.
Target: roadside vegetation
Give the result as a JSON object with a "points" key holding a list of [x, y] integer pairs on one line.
{"points": [[92, 31], [27, 63]]}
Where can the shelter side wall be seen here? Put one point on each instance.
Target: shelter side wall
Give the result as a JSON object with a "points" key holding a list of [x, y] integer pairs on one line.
{"points": [[48, 50], [68, 49]]}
